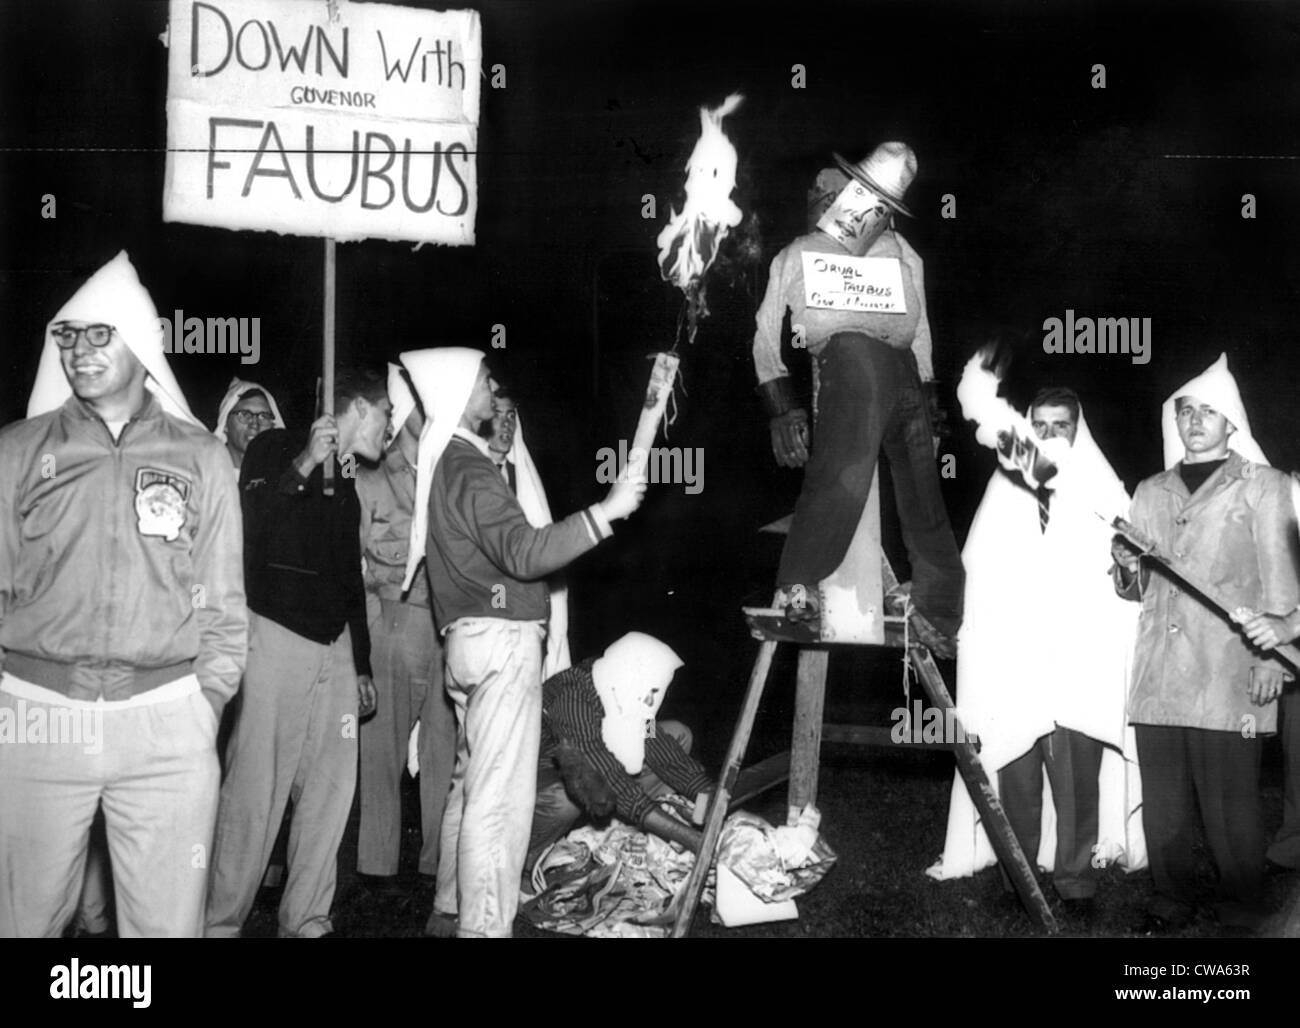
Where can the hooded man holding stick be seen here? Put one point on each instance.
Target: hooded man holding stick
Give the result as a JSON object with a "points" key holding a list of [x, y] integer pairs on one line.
{"points": [[121, 612], [487, 566], [1202, 695], [308, 680]]}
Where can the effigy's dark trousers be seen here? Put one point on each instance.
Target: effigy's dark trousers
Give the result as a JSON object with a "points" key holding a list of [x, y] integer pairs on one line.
{"points": [[870, 399]]}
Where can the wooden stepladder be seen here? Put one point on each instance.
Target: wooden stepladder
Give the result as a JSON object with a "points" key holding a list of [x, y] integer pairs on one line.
{"points": [[852, 614]]}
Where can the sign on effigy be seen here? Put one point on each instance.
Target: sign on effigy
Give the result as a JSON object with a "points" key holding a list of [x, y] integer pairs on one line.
{"points": [[845, 283]]}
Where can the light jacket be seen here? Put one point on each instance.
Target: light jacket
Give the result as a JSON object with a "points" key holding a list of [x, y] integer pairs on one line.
{"points": [[120, 563], [1238, 533]]}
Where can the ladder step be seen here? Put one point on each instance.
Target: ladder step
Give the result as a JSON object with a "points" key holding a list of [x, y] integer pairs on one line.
{"points": [[876, 735]]}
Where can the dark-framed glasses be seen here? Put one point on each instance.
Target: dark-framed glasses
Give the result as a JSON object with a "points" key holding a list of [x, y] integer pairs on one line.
{"points": [[66, 334], [254, 417]]}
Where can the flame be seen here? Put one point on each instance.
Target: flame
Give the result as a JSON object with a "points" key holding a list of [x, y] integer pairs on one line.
{"points": [[977, 392], [690, 240], [1004, 429]]}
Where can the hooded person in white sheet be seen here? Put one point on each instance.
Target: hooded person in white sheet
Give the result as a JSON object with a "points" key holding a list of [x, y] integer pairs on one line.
{"points": [[1043, 666], [117, 511]]}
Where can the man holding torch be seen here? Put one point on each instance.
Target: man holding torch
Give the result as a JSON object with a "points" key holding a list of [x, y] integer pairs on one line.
{"points": [[487, 567], [871, 366], [1201, 696]]}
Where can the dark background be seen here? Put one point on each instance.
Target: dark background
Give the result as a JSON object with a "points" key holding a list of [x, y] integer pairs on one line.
{"points": [[1067, 196]]}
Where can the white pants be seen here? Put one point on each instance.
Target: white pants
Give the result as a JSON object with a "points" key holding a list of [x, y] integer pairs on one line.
{"points": [[494, 679], [152, 763]]}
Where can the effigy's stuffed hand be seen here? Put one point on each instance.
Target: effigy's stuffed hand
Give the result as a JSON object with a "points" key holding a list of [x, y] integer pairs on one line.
{"points": [[790, 438], [585, 784]]}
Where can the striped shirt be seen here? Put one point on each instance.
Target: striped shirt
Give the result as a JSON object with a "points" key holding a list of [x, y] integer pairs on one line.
{"points": [[571, 710]]}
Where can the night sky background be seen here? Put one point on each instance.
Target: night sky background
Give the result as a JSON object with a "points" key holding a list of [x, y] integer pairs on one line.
{"points": [[1067, 197]]}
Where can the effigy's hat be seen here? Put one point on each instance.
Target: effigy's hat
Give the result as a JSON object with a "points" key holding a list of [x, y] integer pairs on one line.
{"points": [[888, 172]]}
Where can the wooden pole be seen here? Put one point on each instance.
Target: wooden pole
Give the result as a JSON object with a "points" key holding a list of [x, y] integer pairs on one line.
{"points": [[327, 358], [996, 825], [809, 707], [1151, 549], [689, 898]]}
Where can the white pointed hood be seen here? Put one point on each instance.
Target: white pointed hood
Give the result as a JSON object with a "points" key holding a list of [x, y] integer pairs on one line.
{"points": [[111, 296], [532, 498], [401, 397], [444, 379], [631, 680], [1218, 388], [237, 388]]}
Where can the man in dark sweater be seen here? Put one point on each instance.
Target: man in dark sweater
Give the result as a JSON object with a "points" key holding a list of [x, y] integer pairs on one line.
{"points": [[603, 751], [487, 568], [309, 681]]}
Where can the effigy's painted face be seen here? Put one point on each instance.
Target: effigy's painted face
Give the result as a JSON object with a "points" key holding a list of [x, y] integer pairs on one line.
{"points": [[856, 219]]}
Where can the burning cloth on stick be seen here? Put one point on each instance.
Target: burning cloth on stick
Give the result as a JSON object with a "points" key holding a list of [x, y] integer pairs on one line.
{"points": [[688, 245]]}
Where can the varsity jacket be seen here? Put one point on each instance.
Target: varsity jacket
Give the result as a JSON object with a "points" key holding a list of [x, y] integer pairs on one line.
{"points": [[120, 562]]}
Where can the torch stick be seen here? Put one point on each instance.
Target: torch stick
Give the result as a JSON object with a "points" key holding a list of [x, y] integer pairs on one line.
{"points": [[662, 376], [1150, 549], [327, 361]]}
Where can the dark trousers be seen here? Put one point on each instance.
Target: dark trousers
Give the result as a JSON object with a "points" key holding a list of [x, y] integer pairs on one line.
{"points": [[870, 399], [1286, 847], [1073, 762], [1189, 769]]}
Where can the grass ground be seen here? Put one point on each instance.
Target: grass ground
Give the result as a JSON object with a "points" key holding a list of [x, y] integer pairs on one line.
{"points": [[884, 813]]}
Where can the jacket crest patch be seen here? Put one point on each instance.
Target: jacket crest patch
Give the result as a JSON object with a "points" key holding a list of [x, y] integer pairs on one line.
{"points": [[160, 498]]}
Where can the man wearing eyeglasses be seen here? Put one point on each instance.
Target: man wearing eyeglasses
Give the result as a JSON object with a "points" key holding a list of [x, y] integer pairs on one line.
{"points": [[247, 410], [123, 627]]}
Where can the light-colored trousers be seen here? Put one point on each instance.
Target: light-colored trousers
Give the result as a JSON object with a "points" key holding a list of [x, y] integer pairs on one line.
{"points": [[92, 910], [296, 737], [407, 661], [494, 679], [153, 767]]}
